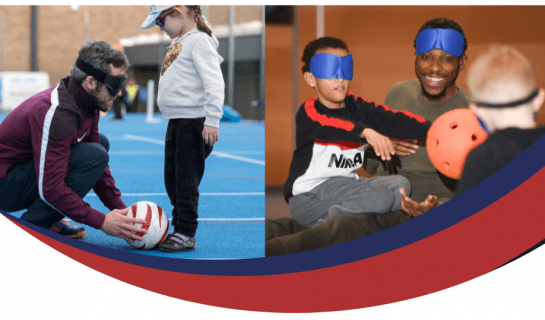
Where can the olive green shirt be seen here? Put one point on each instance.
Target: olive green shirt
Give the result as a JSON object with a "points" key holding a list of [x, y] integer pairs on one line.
{"points": [[417, 168]]}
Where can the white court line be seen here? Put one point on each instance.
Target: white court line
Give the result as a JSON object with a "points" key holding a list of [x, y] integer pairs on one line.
{"points": [[202, 194], [248, 152], [230, 156], [217, 154], [212, 219], [231, 219], [133, 137], [160, 153], [136, 153]]}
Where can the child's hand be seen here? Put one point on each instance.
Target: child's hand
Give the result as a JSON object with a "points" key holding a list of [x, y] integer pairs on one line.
{"points": [[413, 208], [404, 147], [210, 135], [381, 144]]}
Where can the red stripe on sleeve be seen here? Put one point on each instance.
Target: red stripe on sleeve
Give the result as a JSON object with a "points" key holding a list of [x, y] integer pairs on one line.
{"points": [[343, 145], [407, 113], [324, 120]]}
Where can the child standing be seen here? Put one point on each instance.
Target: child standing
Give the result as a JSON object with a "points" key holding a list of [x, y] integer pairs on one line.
{"points": [[191, 96], [332, 133]]}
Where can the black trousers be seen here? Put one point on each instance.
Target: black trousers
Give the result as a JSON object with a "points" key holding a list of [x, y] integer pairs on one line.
{"points": [[117, 105], [19, 190], [185, 152], [285, 235]]}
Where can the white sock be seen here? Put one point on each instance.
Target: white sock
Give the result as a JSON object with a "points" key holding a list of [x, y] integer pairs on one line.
{"points": [[180, 235]]}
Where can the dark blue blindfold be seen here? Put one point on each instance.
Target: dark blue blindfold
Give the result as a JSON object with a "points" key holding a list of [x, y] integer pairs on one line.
{"points": [[329, 66], [112, 83], [448, 40]]}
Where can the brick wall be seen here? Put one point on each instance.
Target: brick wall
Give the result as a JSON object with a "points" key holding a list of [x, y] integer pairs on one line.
{"points": [[219, 15], [61, 32], [16, 38]]}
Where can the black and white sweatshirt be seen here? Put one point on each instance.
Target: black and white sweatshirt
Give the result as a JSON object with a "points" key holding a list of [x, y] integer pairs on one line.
{"points": [[328, 142]]}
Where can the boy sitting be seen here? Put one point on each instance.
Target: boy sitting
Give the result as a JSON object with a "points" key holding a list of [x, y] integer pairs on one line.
{"points": [[332, 133]]}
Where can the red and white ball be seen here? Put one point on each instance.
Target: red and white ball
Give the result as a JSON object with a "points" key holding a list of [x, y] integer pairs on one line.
{"points": [[158, 224]]}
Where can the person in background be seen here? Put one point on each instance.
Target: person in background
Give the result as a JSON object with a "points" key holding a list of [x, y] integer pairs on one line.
{"points": [[132, 95], [118, 104]]}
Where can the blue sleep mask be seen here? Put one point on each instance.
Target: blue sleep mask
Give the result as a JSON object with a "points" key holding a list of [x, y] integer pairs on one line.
{"points": [[448, 40], [329, 66]]}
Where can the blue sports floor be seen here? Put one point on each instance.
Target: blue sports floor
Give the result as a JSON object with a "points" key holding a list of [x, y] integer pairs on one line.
{"points": [[232, 201]]}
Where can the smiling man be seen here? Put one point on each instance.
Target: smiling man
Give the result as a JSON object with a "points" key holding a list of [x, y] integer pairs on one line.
{"points": [[440, 56], [440, 47], [52, 155]]}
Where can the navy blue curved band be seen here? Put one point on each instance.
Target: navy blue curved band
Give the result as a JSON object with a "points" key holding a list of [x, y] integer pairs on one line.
{"points": [[448, 40]]}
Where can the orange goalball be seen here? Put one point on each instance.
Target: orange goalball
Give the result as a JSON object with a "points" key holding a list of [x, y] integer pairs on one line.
{"points": [[450, 139]]}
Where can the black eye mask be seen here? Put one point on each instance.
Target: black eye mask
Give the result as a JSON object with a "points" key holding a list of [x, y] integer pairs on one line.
{"points": [[113, 83], [510, 104]]}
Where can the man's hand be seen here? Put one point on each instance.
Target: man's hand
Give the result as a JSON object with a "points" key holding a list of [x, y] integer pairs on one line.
{"points": [[116, 224], [210, 135], [413, 208], [381, 144], [404, 147]]}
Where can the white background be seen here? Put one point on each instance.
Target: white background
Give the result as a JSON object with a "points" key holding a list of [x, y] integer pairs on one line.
{"points": [[38, 282]]}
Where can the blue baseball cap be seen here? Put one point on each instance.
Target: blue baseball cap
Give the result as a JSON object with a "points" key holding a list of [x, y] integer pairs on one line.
{"points": [[154, 12]]}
